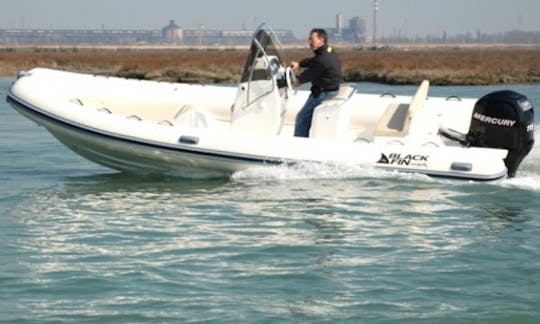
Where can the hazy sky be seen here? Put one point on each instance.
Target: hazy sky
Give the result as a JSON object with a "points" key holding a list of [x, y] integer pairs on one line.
{"points": [[411, 17]]}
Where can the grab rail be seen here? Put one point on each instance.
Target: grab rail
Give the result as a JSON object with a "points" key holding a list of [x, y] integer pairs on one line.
{"points": [[103, 109]]}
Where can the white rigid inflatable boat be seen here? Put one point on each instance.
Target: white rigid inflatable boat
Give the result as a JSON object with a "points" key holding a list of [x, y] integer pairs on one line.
{"points": [[159, 127]]}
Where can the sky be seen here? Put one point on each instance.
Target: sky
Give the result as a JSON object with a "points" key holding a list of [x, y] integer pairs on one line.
{"points": [[410, 17]]}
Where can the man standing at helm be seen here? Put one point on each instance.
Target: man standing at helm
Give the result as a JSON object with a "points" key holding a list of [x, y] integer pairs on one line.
{"points": [[323, 71]]}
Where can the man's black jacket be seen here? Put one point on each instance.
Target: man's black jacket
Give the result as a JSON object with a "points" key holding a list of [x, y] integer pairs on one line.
{"points": [[323, 70]]}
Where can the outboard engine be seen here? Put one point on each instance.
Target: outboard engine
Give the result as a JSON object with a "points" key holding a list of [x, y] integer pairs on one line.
{"points": [[504, 119]]}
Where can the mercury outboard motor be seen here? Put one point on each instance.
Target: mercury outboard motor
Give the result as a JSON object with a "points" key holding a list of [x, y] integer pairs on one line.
{"points": [[504, 119]]}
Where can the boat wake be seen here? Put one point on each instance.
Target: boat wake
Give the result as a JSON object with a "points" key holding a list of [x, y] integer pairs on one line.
{"points": [[527, 178], [310, 170]]}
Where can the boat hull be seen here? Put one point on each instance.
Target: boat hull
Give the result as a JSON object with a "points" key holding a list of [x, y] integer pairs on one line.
{"points": [[142, 156], [132, 156]]}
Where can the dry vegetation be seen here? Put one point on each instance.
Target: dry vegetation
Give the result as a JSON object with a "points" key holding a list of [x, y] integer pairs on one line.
{"points": [[450, 66], [443, 66], [179, 66]]}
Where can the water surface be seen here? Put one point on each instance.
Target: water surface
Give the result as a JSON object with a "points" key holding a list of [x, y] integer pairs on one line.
{"points": [[81, 243]]}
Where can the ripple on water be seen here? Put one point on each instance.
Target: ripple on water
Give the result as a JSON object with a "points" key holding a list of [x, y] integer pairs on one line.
{"points": [[307, 243]]}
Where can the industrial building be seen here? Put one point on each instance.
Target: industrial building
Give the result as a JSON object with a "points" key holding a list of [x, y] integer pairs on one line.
{"points": [[174, 34], [171, 34], [354, 31], [78, 36]]}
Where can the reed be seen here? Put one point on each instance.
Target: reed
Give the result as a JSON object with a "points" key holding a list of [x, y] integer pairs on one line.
{"points": [[442, 66], [445, 67]]}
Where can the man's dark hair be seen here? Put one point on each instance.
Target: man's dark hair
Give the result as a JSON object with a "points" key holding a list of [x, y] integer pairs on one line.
{"points": [[321, 33]]}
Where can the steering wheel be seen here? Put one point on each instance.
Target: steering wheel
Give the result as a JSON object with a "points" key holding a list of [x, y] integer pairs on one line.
{"points": [[291, 79]]}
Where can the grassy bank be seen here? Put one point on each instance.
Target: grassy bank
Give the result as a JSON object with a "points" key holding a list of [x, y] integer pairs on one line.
{"points": [[442, 66]]}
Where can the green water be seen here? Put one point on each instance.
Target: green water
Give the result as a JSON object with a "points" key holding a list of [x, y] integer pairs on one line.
{"points": [[80, 243]]}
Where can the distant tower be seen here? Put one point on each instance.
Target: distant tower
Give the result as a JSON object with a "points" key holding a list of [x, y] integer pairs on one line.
{"points": [[406, 28], [357, 29], [339, 24], [375, 12], [172, 33], [200, 26]]}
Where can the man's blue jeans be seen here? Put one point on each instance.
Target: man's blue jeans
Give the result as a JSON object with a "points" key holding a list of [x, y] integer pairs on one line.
{"points": [[304, 116]]}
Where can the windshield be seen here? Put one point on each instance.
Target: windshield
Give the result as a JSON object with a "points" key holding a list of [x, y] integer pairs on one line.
{"points": [[265, 50]]}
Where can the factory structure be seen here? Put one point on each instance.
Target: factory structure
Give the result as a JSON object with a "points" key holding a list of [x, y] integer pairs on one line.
{"points": [[347, 31], [353, 30], [174, 34], [171, 34], [77, 36]]}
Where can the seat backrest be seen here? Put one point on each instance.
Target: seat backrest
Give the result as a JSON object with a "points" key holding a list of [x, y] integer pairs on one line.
{"points": [[398, 118], [415, 108], [419, 99], [345, 92]]}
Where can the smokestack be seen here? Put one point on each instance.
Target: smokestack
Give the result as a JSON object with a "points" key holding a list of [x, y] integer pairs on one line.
{"points": [[375, 11], [339, 24]]}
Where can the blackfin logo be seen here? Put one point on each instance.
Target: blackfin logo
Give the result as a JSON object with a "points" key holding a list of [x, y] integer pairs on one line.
{"points": [[383, 159], [417, 160]]}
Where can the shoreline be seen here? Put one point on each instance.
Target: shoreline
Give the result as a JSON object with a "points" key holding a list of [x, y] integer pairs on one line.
{"points": [[404, 64]]}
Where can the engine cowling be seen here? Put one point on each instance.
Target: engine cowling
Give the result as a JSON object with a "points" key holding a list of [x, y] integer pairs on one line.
{"points": [[504, 119]]}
